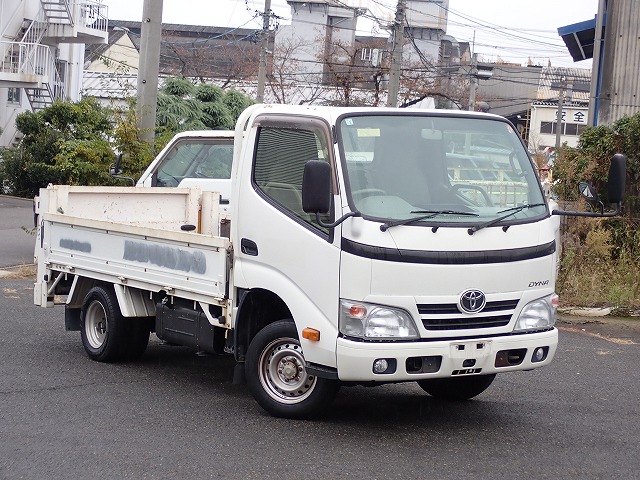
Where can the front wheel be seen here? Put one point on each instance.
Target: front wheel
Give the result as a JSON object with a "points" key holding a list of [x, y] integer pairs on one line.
{"points": [[277, 378], [458, 388]]}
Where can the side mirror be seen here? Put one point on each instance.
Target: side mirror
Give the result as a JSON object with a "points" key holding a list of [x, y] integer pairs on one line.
{"points": [[116, 172], [590, 194], [114, 168], [617, 178], [316, 187], [316, 192]]}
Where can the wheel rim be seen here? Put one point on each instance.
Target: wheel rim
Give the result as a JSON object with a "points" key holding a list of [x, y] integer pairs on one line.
{"points": [[282, 372], [95, 324]]}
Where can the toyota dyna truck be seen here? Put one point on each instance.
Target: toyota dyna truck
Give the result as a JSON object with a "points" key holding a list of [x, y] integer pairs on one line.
{"points": [[365, 246]]}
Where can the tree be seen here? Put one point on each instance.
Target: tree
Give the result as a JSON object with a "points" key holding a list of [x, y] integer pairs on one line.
{"points": [[356, 81], [65, 143], [229, 62], [591, 159], [288, 83], [75, 143], [185, 106]]}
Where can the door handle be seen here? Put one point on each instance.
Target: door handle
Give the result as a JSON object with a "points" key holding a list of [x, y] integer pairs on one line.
{"points": [[249, 247]]}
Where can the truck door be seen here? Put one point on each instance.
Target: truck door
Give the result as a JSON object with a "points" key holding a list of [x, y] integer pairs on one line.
{"points": [[282, 249]]}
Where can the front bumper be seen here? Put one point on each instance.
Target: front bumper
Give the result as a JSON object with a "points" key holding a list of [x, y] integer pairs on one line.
{"points": [[443, 359]]}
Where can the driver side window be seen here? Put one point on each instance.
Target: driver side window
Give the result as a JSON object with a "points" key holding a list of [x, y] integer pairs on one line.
{"points": [[281, 155]]}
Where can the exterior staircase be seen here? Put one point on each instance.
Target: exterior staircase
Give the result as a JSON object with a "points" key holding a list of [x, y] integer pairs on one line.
{"points": [[57, 11], [32, 64]]}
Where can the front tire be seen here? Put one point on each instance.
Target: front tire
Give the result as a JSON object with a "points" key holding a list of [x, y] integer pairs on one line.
{"points": [[458, 388], [277, 378]]}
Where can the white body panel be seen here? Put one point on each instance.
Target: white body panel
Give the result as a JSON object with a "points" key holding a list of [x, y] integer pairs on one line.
{"points": [[119, 235]]}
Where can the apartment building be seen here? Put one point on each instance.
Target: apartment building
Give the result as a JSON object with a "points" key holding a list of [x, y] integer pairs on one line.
{"points": [[42, 54]]}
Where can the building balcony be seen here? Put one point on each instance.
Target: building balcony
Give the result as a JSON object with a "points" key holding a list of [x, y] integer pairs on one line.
{"points": [[83, 21]]}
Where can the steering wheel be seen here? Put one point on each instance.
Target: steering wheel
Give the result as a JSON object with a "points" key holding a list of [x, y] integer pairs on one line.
{"points": [[483, 192]]}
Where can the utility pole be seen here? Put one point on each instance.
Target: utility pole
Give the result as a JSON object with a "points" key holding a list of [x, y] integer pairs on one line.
{"points": [[396, 56], [262, 68], [149, 68], [563, 85], [474, 82]]}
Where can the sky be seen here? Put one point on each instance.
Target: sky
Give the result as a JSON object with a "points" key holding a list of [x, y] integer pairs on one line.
{"points": [[499, 29]]}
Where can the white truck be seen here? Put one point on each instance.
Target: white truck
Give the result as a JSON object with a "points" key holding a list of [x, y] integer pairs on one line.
{"points": [[358, 253]]}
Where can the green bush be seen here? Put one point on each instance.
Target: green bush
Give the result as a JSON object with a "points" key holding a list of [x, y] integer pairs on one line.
{"points": [[600, 258], [75, 143]]}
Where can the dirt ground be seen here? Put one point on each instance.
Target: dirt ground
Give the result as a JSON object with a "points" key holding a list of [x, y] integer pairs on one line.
{"points": [[623, 330]]}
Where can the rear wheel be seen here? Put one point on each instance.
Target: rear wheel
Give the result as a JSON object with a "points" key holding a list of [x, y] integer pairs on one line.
{"points": [[106, 335], [458, 388], [276, 375]]}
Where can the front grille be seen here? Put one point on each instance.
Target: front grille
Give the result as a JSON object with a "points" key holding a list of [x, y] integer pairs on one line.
{"points": [[446, 316]]}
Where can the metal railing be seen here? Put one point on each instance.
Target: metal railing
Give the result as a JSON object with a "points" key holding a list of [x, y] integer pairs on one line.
{"points": [[91, 14], [82, 13], [36, 30], [32, 59]]}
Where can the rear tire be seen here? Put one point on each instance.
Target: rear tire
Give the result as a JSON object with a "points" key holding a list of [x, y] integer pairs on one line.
{"points": [[277, 378], [457, 388], [106, 335]]}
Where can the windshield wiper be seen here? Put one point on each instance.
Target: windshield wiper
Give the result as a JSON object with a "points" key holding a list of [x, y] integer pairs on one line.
{"points": [[430, 214], [512, 211]]}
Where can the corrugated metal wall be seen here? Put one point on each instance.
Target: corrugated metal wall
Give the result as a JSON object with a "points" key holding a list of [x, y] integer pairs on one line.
{"points": [[620, 89]]}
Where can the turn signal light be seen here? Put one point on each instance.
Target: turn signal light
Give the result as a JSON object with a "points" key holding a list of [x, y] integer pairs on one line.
{"points": [[357, 311], [311, 334]]}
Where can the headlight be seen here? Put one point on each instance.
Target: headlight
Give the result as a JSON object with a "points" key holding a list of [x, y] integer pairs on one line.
{"points": [[377, 322], [537, 315]]}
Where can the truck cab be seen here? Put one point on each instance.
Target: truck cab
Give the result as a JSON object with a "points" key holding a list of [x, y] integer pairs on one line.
{"points": [[411, 272]]}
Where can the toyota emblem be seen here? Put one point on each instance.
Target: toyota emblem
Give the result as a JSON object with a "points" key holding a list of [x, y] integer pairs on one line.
{"points": [[472, 301]]}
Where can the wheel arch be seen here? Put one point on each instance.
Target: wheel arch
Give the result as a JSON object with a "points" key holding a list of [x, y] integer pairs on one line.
{"points": [[257, 308]]}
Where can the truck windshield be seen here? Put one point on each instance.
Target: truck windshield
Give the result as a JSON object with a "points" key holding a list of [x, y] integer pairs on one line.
{"points": [[400, 166]]}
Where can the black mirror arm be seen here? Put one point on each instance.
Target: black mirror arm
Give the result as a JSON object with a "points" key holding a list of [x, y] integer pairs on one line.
{"points": [[618, 211], [338, 221]]}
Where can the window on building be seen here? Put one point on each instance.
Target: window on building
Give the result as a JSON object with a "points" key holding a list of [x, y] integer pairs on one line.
{"points": [[14, 95], [366, 54], [572, 129], [547, 127]]}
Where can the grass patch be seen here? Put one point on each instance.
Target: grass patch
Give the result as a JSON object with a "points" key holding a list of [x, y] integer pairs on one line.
{"points": [[597, 269], [19, 272]]}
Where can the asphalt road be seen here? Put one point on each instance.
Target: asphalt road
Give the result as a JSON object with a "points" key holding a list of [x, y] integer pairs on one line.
{"points": [[16, 243], [177, 415]]}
